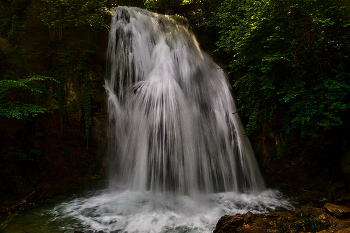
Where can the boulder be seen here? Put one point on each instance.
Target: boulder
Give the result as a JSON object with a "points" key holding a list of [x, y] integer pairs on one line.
{"points": [[309, 210], [345, 230], [337, 210], [343, 224], [228, 223]]}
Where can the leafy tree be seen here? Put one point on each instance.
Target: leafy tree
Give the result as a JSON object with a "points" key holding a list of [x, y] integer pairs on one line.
{"points": [[134, 3], [11, 18], [290, 63], [57, 15], [162, 6], [18, 109]]}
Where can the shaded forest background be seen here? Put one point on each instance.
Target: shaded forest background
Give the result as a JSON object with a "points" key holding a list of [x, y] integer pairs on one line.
{"points": [[287, 60]]}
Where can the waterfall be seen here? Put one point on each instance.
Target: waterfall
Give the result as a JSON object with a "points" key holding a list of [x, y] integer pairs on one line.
{"points": [[178, 156], [173, 125]]}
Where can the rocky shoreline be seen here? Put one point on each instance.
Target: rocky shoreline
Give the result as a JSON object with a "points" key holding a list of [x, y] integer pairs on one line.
{"points": [[315, 217]]}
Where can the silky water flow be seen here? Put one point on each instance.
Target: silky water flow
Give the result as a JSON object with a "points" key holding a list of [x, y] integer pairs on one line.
{"points": [[173, 124], [178, 156]]}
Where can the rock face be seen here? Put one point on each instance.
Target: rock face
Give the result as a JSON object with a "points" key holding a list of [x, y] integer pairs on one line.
{"points": [[309, 218], [67, 142]]}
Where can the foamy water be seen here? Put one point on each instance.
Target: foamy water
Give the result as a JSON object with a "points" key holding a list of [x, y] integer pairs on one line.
{"points": [[128, 211]]}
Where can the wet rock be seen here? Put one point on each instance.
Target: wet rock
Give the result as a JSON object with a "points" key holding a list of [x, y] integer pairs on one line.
{"points": [[229, 223], [270, 222], [327, 220], [272, 215], [280, 209], [346, 230], [343, 224], [326, 231], [337, 210], [309, 210], [248, 217], [309, 218]]}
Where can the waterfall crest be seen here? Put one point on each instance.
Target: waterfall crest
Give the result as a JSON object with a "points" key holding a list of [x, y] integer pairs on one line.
{"points": [[173, 124]]}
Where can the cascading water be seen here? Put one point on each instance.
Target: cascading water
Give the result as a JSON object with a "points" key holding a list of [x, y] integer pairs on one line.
{"points": [[172, 119], [178, 156]]}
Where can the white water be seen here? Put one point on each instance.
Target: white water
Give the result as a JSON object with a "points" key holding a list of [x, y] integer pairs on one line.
{"points": [[172, 119], [177, 152], [135, 211]]}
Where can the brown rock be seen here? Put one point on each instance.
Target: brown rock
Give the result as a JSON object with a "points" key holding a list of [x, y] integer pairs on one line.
{"points": [[280, 209], [229, 223], [328, 220], [324, 219], [309, 210], [346, 230], [337, 210], [248, 217], [343, 224], [272, 215]]}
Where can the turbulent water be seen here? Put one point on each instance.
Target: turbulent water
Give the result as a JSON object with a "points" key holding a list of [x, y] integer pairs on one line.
{"points": [[178, 156], [135, 211]]}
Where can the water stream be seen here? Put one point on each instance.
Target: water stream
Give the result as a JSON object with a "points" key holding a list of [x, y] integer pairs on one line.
{"points": [[178, 157]]}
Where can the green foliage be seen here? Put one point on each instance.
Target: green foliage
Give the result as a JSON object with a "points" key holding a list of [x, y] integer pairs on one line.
{"points": [[19, 109], [311, 223], [162, 5], [12, 35], [290, 62], [57, 15], [5, 19], [12, 23], [132, 3]]}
